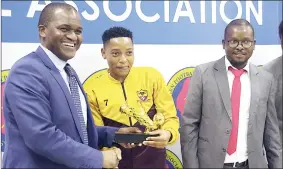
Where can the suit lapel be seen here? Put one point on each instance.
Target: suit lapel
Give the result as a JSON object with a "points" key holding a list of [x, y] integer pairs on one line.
{"points": [[59, 79], [85, 99], [90, 123], [223, 85], [255, 90], [56, 74]]}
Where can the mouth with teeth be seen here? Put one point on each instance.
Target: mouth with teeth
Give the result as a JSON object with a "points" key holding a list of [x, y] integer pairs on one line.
{"points": [[69, 45]]}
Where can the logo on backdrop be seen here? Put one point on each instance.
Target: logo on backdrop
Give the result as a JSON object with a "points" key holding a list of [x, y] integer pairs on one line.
{"points": [[178, 86], [4, 75], [172, 160]]}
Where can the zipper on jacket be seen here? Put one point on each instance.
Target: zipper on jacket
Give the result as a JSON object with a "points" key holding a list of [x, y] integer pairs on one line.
{"points": [[125, 96]]}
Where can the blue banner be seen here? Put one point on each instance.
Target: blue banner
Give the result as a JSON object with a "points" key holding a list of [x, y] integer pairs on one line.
{"points": [[152, 22]]}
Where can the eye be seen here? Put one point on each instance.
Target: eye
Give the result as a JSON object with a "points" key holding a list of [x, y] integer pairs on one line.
{"points": [[246, 42], [115, 54], [78, 32], [129, 53], [64, 29], [233, 41]]}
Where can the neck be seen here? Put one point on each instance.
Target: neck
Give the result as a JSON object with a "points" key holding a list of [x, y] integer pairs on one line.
{"points": [[239, 66], [119, 78]]}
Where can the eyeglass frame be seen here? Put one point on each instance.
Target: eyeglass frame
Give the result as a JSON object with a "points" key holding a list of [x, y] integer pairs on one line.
{"points": [[238, 42]]}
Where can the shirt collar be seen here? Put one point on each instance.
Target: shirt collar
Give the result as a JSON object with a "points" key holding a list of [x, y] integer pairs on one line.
{"points": [[227, 64], [117, 81], [59, 64]]}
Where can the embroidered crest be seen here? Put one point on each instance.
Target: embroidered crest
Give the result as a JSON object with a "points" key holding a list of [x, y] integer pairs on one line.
{"points": [[142, 94]]}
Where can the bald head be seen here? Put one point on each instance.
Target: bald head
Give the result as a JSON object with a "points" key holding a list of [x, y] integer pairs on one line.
{"points": [[237, 22], [49, 10]]}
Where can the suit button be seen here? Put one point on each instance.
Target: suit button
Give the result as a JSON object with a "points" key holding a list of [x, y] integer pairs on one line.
{"points": [[223, 149], [227, 131]]}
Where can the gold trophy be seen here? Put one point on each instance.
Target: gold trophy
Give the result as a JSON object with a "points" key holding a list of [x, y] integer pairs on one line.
{"points": [[142, 117]]}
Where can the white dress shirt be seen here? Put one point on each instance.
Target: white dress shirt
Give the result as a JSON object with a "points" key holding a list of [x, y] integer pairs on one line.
{"points": [[60, 64], [241, 154]]}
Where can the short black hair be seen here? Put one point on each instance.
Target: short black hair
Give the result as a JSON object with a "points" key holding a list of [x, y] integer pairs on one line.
{"points": [[238, 22], [116, 32], [48, 11], [281, 29]]}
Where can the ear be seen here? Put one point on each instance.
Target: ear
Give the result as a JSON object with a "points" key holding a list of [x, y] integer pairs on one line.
{"points": [[41, 30], [103, 53], [254, 44], [223, 44]]}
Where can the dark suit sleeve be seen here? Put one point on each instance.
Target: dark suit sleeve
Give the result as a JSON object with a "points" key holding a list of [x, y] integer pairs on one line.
{"points": [[191, 118], [27, 96], [106, 136], [271, 138]]}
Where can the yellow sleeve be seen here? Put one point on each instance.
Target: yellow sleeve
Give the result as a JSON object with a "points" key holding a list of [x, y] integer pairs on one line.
{"points": [[164, 103], [92, 100], [96, 115]]}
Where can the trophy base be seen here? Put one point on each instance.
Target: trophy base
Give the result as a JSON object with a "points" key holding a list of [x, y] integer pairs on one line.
{"points": [[132, 137]]}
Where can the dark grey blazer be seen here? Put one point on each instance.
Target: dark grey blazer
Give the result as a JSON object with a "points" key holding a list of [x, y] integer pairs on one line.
{"points": [[275, 68], [207, 122]]}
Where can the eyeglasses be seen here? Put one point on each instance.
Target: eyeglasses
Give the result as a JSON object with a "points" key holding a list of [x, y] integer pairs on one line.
{"points": [[234, 43]]}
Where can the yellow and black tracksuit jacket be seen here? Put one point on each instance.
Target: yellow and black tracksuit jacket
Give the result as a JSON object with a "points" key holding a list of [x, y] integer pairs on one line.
{"points": [[106, 95]]}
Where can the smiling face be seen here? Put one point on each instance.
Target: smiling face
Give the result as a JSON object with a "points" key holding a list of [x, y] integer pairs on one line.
{"points": [[119, 53], [239, 44], [63, 34]]}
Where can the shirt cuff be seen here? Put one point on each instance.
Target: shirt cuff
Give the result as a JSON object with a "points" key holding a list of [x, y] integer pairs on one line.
{"points": [[174, 135]]}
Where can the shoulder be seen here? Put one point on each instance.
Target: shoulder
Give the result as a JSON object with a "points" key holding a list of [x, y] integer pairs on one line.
{"points": [[264, 77], [144, 69], [29, 74], [263, 73], [96, 80], [202, 68], [274, 66], [28, 66], [146, 74]]}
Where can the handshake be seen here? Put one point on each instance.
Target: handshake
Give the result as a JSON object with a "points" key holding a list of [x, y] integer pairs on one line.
{"points": [[158, 138], [112, 156]]}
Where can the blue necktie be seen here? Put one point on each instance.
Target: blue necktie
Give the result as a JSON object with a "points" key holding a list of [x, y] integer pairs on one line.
{"points": [[74, 87]]}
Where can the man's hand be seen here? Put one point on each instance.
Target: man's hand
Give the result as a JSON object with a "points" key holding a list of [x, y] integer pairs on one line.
{"points": [[111, 158], [126, 130], [160, 141]]}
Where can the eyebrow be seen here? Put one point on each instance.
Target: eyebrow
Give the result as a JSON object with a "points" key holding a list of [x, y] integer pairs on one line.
{"points": [[114, 49], [69, 26], [242, 38]]}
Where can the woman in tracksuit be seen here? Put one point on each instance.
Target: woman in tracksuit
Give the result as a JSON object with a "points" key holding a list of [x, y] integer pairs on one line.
{"points": [[139, 87]]}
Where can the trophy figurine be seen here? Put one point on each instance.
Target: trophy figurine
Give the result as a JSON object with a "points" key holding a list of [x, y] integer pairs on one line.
{"points": [[142, 117]]}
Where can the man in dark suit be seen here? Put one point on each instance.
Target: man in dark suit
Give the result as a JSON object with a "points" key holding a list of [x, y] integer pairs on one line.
{"points": [[229, 113], [48, 121], [275, 68]]}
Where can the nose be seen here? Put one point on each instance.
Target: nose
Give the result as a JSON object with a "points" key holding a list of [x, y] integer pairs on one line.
{"points": [[240, 46], [72, 36], [123, 59]]}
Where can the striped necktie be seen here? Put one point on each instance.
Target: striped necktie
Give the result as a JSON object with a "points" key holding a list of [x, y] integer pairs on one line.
{"points": [[74, 88]]}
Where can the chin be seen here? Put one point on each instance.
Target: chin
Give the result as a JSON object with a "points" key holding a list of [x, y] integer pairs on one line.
{"points": [[124, 74], [238, 63], [68, 56]]}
